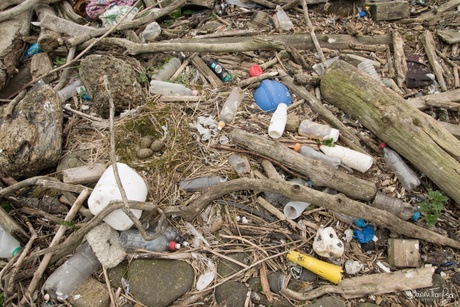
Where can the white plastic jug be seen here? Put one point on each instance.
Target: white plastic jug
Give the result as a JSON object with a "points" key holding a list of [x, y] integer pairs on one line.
{"points": [[106, 190]]}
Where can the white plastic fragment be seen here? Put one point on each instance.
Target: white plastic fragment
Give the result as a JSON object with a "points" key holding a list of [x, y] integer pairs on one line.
{"points": [[327, 244], [353, 267]]}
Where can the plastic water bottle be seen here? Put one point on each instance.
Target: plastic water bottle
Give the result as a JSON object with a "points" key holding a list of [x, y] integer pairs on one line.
{"points": [[165, 72], [352, 158], [70, 90], [9, 246], [200, 183], [132, 239], [318, 131], [69, 276], [406, 176], [395, 206], [106, 190], [230, 107], [283, 19], [278, 121], [309, 152], [170, 89]]}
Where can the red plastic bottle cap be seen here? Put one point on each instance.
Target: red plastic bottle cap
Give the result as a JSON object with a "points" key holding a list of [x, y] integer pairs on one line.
{"points": [[381, 145], [255, 70], [172, 246]]}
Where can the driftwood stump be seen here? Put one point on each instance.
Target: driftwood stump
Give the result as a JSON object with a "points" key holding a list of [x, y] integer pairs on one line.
{"points": [[413, 134]]}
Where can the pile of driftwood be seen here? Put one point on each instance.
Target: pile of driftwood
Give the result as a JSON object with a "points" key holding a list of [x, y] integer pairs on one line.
{"points": [[393, 114]]}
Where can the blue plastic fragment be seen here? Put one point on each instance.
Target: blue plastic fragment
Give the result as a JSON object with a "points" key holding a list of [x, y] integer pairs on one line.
{"points": [[416, 216], [362, 14], [33, 49], [365, 235], [270, 94], [360, 223], [310, 184]]}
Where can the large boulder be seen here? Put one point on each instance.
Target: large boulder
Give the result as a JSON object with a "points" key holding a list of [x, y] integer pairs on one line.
{"points": [[31, 137], [123, 83]]}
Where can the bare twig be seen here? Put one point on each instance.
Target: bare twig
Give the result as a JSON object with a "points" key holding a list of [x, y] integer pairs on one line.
{"points": [[312, 32]]}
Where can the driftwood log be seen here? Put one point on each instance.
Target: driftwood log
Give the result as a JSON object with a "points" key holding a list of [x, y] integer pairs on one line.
{"points": [[337, 203], [320, 174], [413, 134]]}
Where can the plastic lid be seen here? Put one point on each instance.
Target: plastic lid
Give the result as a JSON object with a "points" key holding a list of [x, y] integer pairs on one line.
{"points": [[255, 70], [220, 125], [334, 134], [297, 147], [173, 246]]}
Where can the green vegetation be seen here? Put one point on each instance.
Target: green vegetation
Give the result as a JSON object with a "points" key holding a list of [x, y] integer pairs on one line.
{"points": [[432, 206]]}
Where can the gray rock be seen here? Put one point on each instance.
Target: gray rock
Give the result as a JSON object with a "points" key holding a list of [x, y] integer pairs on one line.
{"points": [[153, 282], [30, 140], [231, 293], [90, 293], [226, 268], [328, 301], [124, 86]]}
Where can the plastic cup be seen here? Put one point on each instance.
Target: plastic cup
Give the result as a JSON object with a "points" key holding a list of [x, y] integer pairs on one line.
{"points": [[294, 209]]}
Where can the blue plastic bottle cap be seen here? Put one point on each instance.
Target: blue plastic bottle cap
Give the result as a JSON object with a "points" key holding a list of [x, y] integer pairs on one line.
{"points": [[270, 94], [416, 216]]}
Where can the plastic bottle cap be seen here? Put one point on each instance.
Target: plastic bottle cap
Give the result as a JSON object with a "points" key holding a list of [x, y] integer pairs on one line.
{"points": [[220, 125], [255, 70], [381, 145], [173, 246], [297, 147], [416, 216]]}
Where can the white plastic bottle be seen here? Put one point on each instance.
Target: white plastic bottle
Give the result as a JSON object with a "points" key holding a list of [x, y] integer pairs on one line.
{"points": [[9, 246], [406, 176], [395, 206], [352, 158], [170, 89], [132, 239], [318, 131], [278, 121], [168, 69], [230, 107], [106, 190], [69, 276], [307, 151], [283, 19], [69, 91]]}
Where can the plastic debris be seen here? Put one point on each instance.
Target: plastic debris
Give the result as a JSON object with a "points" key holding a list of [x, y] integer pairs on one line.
{"points": [[365, 235], [327, 244], [326, 270]]}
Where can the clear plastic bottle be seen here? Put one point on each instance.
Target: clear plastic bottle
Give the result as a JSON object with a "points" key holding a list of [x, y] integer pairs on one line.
{"points": [[200, 183], [318, 131], [168, 69], [170, 89], [307, 151], [69, 276], [151, 32], [406, 176], [230, 107], [70, 90], [395, 206], [278, 121], [132, 239], [9, 246], [283, 19]]}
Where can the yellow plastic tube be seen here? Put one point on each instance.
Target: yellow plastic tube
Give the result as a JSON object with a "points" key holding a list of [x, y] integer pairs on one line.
{"points": [[326, 270]]}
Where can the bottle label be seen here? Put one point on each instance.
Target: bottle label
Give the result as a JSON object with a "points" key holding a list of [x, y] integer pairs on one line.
{"points": [[219, 70]]}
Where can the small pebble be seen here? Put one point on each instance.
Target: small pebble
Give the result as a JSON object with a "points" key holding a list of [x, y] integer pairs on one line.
{"points": [[157, 145], [146, 141], [144, 153]]}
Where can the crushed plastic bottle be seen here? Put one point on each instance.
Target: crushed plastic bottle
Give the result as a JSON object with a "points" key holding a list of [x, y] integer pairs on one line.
{"points": [[200, 183], [230, 107], [70, 90], [395, 206], [69, 276], [168, 69], [170, 89], [283, 19], [132, 239], [318, 131], [406, 176], [367, 67]]}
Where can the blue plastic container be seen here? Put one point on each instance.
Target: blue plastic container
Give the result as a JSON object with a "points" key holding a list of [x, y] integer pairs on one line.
{"points": [[270, 94]]}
